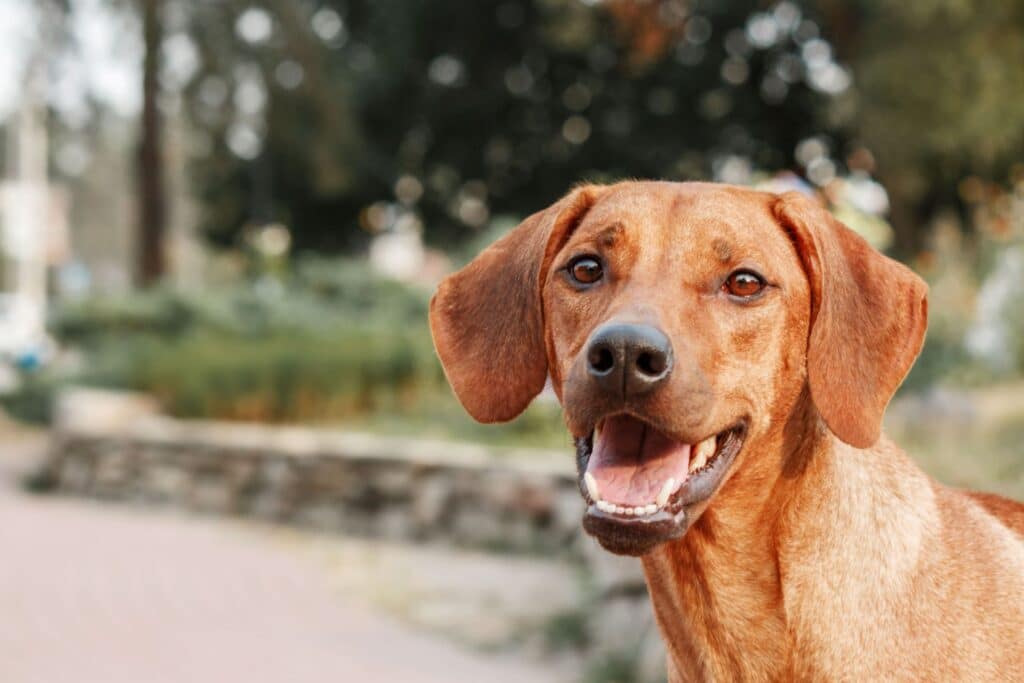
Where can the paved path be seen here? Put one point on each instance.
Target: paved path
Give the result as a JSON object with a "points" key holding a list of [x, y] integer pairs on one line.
{"points": [[91, 593]]}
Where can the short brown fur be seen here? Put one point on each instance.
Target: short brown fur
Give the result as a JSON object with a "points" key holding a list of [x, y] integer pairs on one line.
{"points": [[826, 554]]}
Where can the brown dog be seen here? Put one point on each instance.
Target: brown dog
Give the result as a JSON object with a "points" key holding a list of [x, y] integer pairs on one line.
{"points": [[724, 357]]}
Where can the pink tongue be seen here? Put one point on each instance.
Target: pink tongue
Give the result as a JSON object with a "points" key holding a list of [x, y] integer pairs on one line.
{"points": [[631, 461]]}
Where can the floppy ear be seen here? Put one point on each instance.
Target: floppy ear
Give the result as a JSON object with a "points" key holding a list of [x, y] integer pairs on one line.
{"points": [[487, 321], [868, 320]]}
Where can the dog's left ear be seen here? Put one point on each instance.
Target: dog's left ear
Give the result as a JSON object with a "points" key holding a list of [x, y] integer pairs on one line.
{"points": [[487, 321], [868, 320]]}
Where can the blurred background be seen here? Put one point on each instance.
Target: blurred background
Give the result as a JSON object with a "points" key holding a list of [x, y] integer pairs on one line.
{"points": [[220, 225]]}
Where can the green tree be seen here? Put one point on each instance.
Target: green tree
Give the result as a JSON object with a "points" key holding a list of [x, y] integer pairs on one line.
{"points": [[939, 96]]}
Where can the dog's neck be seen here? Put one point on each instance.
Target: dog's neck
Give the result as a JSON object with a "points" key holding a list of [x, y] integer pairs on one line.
{"points": [[719, 593]]}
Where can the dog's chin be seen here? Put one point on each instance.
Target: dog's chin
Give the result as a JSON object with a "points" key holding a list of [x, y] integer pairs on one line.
{"points": [[644, 487]]}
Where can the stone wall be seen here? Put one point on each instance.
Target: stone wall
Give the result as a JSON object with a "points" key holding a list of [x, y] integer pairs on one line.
{"points": [[382, 487]]}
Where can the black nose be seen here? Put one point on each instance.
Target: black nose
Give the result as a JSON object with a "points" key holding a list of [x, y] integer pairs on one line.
{"points": [[629, 360]]}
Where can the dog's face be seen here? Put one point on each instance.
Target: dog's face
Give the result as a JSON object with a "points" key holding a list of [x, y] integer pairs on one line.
{"points": [[677, 318], [680, 323]]}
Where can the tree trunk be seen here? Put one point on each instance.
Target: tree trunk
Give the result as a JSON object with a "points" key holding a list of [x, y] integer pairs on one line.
{"points": [[152, 200]]}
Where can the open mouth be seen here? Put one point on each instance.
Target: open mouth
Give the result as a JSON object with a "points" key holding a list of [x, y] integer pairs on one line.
{"points": [[640, 483]]}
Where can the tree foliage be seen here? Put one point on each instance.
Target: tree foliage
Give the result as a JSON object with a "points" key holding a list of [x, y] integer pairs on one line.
{"points": [[449, 112], [445, 112], [937, 97]]}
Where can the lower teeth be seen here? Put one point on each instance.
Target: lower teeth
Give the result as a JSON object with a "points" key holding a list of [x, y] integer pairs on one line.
{"points": [[630, 511]]}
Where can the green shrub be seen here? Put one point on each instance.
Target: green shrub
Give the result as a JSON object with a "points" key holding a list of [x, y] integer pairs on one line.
{"points": [[325, 375], [318, 295], [88, 322], [330, 342], [33, 401]]}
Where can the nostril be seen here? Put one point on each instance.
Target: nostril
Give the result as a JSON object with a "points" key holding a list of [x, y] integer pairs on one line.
{"points": [[652, 364], [601, 359]]}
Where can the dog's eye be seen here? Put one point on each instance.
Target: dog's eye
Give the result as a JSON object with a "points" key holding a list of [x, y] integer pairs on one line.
{"points": [[586, 270], [743, 284]]}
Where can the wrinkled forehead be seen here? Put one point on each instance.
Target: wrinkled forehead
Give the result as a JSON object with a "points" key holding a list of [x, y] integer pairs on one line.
{"points": [[732, 223]]}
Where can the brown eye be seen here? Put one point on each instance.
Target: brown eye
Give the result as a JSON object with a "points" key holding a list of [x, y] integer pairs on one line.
{"points": [[586, 270], [743, 284]]}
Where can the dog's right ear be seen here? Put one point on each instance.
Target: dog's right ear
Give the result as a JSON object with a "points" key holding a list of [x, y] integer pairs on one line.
{"points": [[487, 321]]}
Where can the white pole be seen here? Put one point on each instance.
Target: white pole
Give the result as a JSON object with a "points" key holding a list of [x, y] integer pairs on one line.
{"points": [[32, 193]]}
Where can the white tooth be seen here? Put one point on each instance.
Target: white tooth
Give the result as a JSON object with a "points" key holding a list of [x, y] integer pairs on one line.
{"points": [[619, 510], [698, 461], [650, 509], [640, 511], [605, 506], [666, 491], [595, 493], [704, 450]]}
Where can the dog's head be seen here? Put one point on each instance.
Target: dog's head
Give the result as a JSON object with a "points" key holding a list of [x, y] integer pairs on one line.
{"points": [[678, 322]]}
